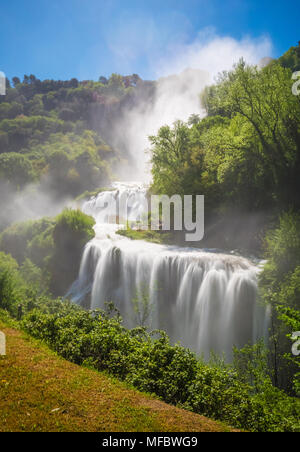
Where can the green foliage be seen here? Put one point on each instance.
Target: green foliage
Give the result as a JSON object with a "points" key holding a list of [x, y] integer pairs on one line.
{"points": [[280, 288], [170, 151], [26, 130], [50, 250], [73, 222], [291, 318], [283, 248], [9, 282], [150, 363], [71, 163], [291, 59], [34, 277], [142, 307], [21, 288], [49, 135], [251, 364], [244, 157], [246, 153], [148, 235], [16, 169], [31, 239], [10, 110]]}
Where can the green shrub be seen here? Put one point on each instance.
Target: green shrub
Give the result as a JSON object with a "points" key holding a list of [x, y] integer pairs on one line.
{"points": [[280, 288], [72, 230], [54, 246], [150, 363], [11, 284]]}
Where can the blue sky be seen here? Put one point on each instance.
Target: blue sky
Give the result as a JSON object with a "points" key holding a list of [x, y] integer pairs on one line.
{"points": [[61, 39]]}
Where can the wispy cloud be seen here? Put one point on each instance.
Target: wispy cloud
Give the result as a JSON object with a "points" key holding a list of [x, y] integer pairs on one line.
{"points": [[213, 53]]}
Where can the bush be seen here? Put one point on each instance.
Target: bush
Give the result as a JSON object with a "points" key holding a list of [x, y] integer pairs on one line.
{"points": [[150, 363], [53, 246], [10, 283], [280, 288], [72, 230]]}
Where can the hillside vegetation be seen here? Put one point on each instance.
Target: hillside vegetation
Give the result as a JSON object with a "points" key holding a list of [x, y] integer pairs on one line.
{"points": [[56, 137], [48, 251], [40, 392], [244, 156]]}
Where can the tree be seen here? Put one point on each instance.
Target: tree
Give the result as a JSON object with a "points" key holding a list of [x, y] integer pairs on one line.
{"points": [[16, 169], [103, 80], [264, 102], [280, 289], [170, 150], [291, 59], [142, 307], [193, 119], [73, 229], [16, 81]]}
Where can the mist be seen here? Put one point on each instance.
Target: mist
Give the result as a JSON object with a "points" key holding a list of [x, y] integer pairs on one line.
{"points": [[32, 203], [175, 95], [180, 79]]}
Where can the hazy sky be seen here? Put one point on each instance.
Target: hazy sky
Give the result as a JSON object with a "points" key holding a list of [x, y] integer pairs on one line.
{"points": [[89, 38]]}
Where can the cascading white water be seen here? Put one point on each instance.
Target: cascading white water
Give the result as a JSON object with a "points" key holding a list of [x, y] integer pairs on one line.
{"points": [[205, 300]]}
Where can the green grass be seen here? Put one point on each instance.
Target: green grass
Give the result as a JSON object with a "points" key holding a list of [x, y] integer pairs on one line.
{"points": [[39, 391], [160, 237]]}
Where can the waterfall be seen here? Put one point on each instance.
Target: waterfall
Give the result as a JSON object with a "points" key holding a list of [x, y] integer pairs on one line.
{"points": [[206, 300]]}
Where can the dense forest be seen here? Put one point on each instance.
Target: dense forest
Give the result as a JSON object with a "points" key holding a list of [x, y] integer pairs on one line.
{"points": [[244, 156], [56, 137]]}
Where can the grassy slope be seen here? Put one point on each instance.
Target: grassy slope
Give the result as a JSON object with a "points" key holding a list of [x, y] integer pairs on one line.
{"points": [[40, 391]]}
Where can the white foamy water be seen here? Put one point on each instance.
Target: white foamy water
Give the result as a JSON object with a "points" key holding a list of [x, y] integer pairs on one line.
{"points": [[205, 300]]}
